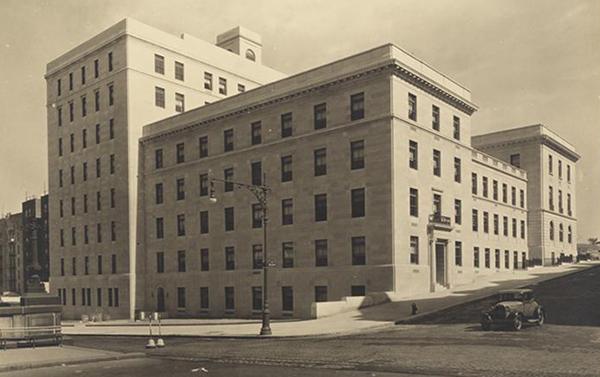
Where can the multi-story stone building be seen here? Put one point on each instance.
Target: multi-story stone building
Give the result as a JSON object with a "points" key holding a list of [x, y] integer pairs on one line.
{"points": [[99, 94], [11, 254], [35, 243], [550, 161], [375, 188]]}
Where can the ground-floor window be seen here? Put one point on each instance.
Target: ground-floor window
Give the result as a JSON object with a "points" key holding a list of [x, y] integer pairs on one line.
{"points": [[320, 293], [257, 298], [287, 299], [357, 290]]}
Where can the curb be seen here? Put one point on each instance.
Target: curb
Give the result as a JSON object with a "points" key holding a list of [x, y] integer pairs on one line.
{"points": [[47, 364], [412, 319]]}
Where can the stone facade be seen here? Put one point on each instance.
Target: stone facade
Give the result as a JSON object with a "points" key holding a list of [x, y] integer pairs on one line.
{"points": [[383, 137], [551, 165], [11, 254], [99, 94]]}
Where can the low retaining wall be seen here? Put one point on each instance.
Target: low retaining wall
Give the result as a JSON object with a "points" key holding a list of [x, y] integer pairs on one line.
{"points": [[324, 309]]}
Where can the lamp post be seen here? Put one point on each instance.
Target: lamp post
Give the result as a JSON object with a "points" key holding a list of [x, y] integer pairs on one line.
{"points": [[261, 193]]}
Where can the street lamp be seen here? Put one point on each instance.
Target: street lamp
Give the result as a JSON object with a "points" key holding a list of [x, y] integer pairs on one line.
{"points": [[261, 193]]}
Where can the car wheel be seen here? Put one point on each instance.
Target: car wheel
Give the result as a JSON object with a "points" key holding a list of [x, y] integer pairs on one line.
{"points": [[486, 326], [541, 317], [517, 323]]}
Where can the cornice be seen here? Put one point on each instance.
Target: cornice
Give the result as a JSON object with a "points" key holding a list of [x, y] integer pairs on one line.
{"points": [[538, 139], [389, 67], [432, 89]]}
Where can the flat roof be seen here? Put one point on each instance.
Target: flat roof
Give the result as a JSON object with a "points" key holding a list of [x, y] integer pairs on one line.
{"points": [[372, 59]]}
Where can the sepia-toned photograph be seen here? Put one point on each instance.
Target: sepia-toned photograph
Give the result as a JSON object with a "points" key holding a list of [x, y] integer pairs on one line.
{"points": [[384, 188]]}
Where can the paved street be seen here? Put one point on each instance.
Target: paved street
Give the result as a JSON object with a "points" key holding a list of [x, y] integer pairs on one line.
{"points": [[448, 344]]}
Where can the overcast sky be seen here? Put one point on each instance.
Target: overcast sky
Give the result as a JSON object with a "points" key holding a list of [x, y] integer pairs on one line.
{"points": [[525, 62]]}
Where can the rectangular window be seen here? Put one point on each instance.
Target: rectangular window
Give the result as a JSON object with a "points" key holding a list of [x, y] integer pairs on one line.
{"points": [[71, 111], [111, 98], [241, 88], [203, 184], [476, 257], [99, 264], [287, 299], [256, 216], [229, 258], [458, 253], [179, 102], [484, 185], [320, 116], [72, 175], [551, 198], [178, 71], [97, 100], [287, 212], [228, 178], [256, 173], [569, 173], [412, 107], [357, 290], [158, 158], [58, 87], [495, 189], [74, 266], [559, 169], [85, 203], [414, 202], [496, 224], [550, 165], [112, 164], [321, 259], [435, 117], [504, 193], [180, 298], [287, 254], [159, 64], [112, 197], [505, 226], [96, 68], [486, 222], [321, 207], [204, 222], [59, 115], [160, 262], [180, 153], [256, 133], [357, 106], [181, 225], [228, 140], [515, 160], [457, 211], [457, 170], [475, 220], [437, 204], [522, 229], [70, 80], [160, 228], [229, 219], [180, 183], [514, 228], [84, 171], [98, 201], [257, 256], [86, 265], [222, 86], [208, 81], [256, 299], [98, 168], [357, 154], [320, 161], [414, 250], [522, 200], [497, 258], [181, 260], [229, 299], [474, 183], [358, 202], [320, 293], [72, 142], [204, 298], [83, 106], [456, 127], [286, 169], [203, 146], [413, 154], [204, 262], [437, 163], [487, 258], [159, 97], [506, 259], [60, 147], [286, 125], [359, 255], [513, 196], [110, 62]]}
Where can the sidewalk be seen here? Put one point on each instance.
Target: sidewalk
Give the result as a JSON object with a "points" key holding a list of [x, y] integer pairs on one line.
{"points": [[344, 323], [26, 358]]}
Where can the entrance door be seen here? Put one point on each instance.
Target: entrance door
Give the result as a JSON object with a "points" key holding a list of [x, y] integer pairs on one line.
{"points": [[440, 263], [160, 300]]}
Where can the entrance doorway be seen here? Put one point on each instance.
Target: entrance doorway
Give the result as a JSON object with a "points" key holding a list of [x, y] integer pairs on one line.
{"points": [[440, 263], [160, 300]]}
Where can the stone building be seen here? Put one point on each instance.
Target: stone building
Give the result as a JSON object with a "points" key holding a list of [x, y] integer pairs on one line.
{"points": [[375, 188], [11, 254], [550, 161], [99, 94], [35, 217]]}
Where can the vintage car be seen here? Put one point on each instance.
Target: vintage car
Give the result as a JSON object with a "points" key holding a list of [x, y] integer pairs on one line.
{"points": [[513, 308]]}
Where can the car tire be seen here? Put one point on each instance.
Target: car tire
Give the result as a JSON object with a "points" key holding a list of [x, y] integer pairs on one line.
{"points": [[541, 317], [517, 323], [486, 326]]}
